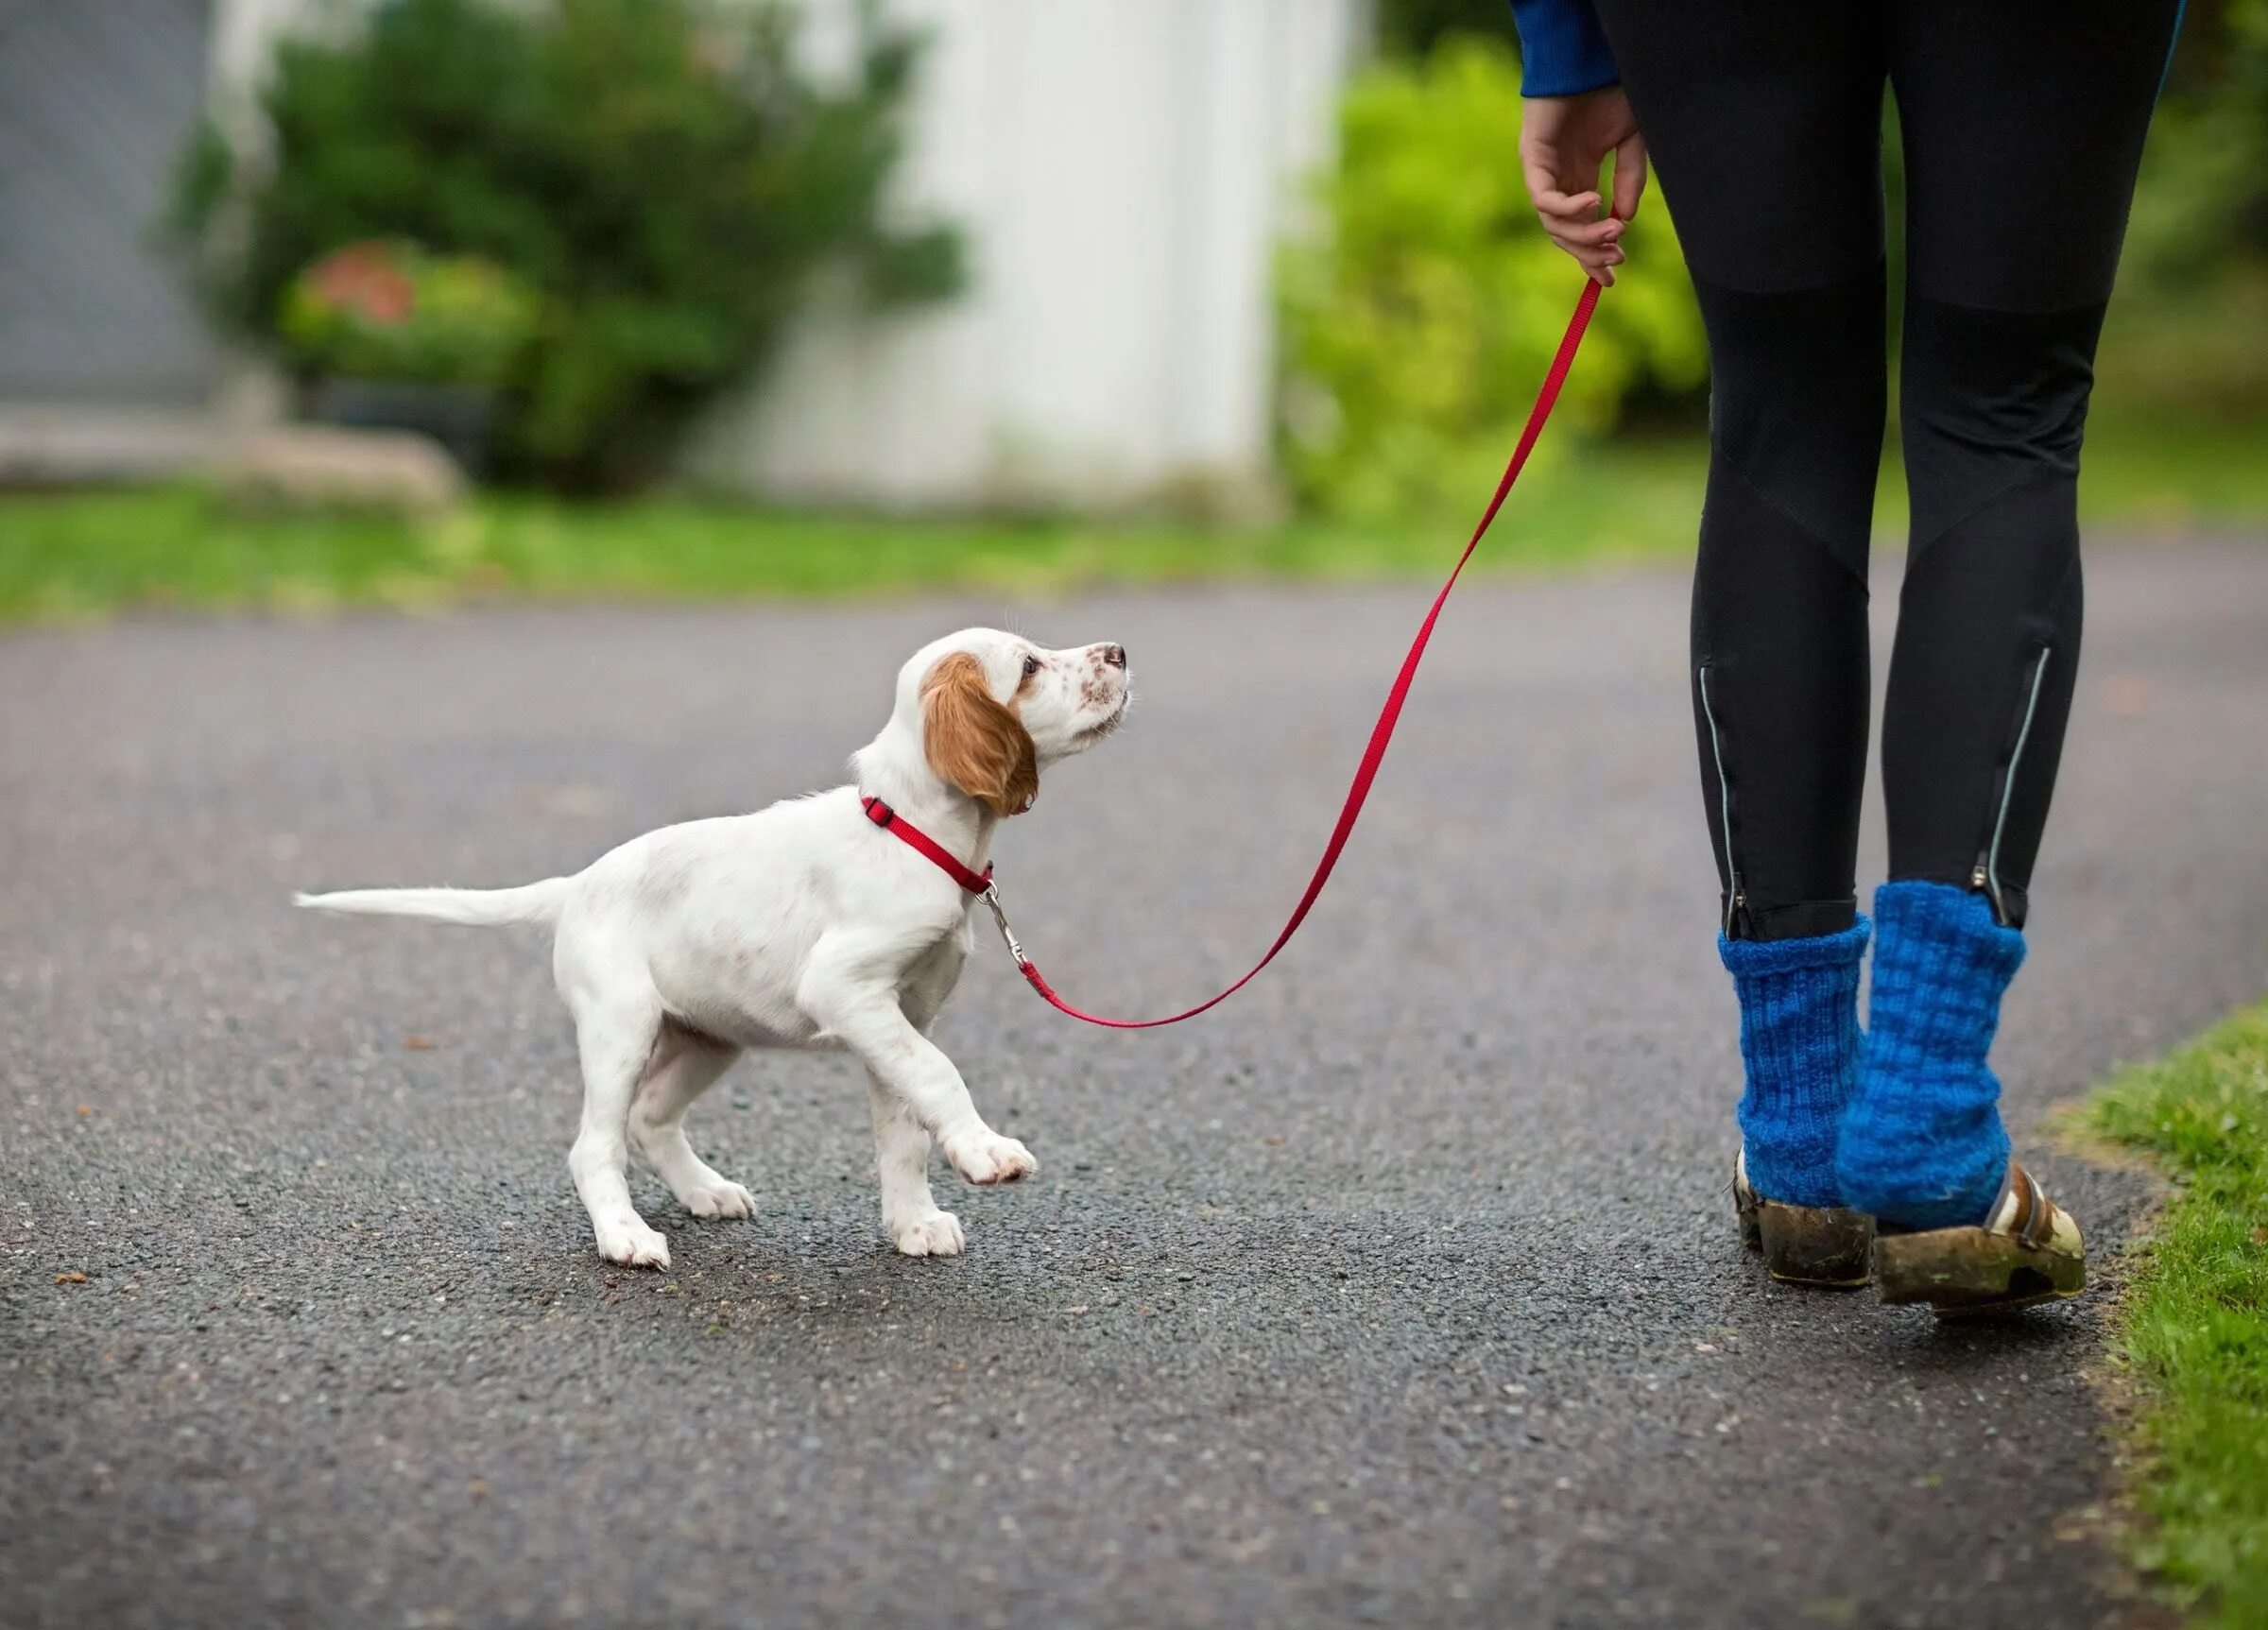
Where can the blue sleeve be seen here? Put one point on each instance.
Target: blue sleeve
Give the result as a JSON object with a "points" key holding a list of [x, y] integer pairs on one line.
{"points": [[1563, 50]]}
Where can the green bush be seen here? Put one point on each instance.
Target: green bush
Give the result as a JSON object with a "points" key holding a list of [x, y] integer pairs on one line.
{"points": [[1417, 321], [391, 311], [2202, 204], [661, 173], [1413, 27]]}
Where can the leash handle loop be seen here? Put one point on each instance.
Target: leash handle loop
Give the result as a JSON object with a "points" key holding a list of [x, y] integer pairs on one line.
{"points": [[1381, 733]]}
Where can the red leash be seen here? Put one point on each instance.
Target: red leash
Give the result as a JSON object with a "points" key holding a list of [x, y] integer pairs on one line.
{"points": [[1373, 755]]}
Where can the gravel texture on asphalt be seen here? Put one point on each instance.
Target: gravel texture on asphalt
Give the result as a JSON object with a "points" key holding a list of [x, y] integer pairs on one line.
{"points": [[1401, 1290]]}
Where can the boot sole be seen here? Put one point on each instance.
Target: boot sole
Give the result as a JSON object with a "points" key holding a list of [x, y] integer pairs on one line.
{"points": [[1961, 1273], [1825, 1247]]}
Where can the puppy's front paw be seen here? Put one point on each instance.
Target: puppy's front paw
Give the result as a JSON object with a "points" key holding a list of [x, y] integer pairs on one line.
{"points": [[935, 1235], [719, 1199], [984, 1158], [631, 1243]]}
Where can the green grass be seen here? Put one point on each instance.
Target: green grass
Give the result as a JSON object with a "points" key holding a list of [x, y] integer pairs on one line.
{"points": [[2196, 1315], [71, 555], [65, 556]]}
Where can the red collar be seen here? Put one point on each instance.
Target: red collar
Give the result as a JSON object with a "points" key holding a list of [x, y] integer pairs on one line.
{"points": [[906, 831]]}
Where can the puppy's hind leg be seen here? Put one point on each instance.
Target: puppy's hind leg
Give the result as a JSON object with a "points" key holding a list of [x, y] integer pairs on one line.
{"points": [[615, 1034], [909, 1216], [684, 1066]]}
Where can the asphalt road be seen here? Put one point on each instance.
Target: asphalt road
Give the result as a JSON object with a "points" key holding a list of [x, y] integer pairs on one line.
{"points": [[1401, 1291]]}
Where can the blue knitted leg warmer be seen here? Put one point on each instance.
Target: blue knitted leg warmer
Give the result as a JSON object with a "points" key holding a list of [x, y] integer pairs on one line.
{"points": [[1923, 1146], [1800, 1042]]}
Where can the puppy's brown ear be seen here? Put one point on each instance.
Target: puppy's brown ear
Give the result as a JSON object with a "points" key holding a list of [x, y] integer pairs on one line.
{"points": [[975, 743]]}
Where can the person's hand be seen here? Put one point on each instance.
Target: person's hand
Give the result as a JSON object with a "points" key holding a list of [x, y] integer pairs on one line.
{"points": [[1563, 144]]}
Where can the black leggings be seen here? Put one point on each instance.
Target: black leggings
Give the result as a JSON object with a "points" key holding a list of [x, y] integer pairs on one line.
{"points": [[2023, 124]]}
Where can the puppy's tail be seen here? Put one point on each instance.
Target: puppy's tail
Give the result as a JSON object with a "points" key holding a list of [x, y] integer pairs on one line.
{"points": [[480, 907]]}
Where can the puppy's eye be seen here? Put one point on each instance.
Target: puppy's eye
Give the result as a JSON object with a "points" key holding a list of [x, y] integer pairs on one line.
{"points": [[1031, 666]]}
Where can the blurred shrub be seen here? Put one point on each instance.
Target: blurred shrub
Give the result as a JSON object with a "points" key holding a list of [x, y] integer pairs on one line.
{"points": [[662, 173], [392, 311], [1414, 27], [1418, 319], [2203, 199]]}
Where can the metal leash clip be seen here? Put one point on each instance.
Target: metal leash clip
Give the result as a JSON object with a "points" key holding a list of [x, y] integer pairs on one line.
{"points": [[991, 898]]}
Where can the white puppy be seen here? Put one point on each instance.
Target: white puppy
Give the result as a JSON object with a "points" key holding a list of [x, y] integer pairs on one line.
{"points": [[804, 925]]}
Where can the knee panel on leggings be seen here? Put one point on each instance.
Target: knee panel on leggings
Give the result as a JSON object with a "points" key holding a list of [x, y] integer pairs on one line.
{"points": [[1780, 669], [1994, 404]]}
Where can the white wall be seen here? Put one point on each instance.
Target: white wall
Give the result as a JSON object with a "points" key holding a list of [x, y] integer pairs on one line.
{"points": [[1124, 169]]}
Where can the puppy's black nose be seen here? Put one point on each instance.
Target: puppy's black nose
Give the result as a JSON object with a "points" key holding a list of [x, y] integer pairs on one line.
{"points": [[1115, 656]]}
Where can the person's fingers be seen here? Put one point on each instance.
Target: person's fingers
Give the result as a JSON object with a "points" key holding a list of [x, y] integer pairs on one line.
{"points": [[1593, 240], [1573, 210], [1589, 237], [1570, 209], [1581, 251], [1597, 259], [1539, 176], [1591, 234], [1543, 188], [1630, 176]]}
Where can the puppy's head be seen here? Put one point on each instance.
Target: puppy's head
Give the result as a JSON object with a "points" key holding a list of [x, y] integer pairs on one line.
{"points": [[995, 710]]}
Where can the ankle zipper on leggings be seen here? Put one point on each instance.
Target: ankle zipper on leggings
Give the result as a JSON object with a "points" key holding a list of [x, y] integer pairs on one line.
{"points": [[1736, 900], [1987, 876]]}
